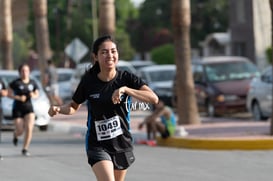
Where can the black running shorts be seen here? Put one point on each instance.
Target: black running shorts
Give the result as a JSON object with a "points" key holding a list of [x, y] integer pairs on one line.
{"points": [[121, 161], [20, 112]]}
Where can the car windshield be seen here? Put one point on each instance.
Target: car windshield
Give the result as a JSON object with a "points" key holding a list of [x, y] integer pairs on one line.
{"points": [[8, 78], [163, 75], [62, 77], [125, 68], [230, 71]]}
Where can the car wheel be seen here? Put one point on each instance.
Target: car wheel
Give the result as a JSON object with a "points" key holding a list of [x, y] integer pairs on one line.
{"points": [[43, 128], [210, 109], [256, 112]]}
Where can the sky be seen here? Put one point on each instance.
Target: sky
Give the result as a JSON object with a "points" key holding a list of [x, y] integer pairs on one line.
{"points": [[137, 2]]}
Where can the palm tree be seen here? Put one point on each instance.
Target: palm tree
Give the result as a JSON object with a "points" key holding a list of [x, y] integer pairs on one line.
{"points": [[186, 101], [107, 17], [6, 35], [41, 32]]}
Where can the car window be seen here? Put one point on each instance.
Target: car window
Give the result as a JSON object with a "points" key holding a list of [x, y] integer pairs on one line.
{"points": [[81, 69], [37, 76], [230, 71], [62, 77], [197, 73], [125, 68], [143, 76], [267, 76], [163, 75], [8, 78]]}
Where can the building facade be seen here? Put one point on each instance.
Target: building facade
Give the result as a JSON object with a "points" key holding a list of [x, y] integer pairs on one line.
{"points": [[250, 28]]}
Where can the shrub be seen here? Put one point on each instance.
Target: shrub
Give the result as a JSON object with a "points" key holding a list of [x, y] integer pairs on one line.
{"points": [[269, 55], [163, 54]]}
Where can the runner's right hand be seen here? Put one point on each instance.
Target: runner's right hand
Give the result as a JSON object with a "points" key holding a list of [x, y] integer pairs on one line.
{"points": [[54, 110]]}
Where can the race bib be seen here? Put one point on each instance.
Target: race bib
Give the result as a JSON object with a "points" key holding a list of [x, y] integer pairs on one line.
{"points": [[108, 128]]}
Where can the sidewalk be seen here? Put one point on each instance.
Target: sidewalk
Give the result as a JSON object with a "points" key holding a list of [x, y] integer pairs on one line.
{"points": [[209, 135]]}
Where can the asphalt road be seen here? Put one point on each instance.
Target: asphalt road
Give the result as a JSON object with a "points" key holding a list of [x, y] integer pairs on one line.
{"points": [[59, 156]]}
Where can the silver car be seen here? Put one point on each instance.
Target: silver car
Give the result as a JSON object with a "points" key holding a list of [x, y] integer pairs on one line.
{"points": [[64, 78], [160, 78], [40, 104], [259, 96], [64, 81]]}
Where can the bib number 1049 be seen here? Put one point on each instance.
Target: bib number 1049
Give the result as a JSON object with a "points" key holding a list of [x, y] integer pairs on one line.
{"points": [[108, 128]]}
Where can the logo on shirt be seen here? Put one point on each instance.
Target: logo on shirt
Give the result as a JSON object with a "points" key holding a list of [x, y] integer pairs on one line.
{"points": [[95, 96], [30, 87], [21, 87]]}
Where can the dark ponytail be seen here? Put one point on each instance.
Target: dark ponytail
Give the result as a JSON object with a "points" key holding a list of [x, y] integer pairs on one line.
{"points": [[95, 68]]}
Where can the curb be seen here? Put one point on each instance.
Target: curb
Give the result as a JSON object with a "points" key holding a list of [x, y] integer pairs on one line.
{"points": [[185, 142], [217, 143]]}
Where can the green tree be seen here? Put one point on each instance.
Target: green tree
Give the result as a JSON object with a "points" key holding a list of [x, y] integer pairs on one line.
{"points": [[163, 54], [269, 55], [69, 19], [126, 52], [207, 16], [20, 49], [125, 11], [153, 17]]}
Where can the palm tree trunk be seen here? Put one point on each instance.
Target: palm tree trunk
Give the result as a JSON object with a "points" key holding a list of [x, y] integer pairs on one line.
{"points": [[6, 34], [107, 17], [186, 101], [42, 35]]}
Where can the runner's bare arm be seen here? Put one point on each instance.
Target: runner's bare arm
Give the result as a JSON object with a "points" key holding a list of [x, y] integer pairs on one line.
{"points": [[66, 109], [144, 94], [34, 94]]}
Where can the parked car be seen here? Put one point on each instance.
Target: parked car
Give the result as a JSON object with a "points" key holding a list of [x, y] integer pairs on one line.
{"points": [[137, 64], [259, 96], [40, 104], [125, 65], [64, 81], [160, 78], [64, 78], [221, 83]]}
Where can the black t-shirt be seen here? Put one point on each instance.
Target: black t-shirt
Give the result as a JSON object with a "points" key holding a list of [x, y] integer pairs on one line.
{"points": [[106, 131], [20, 88]]}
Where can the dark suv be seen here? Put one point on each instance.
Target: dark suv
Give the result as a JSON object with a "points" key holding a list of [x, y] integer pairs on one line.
{"points": [[221, 83]]}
